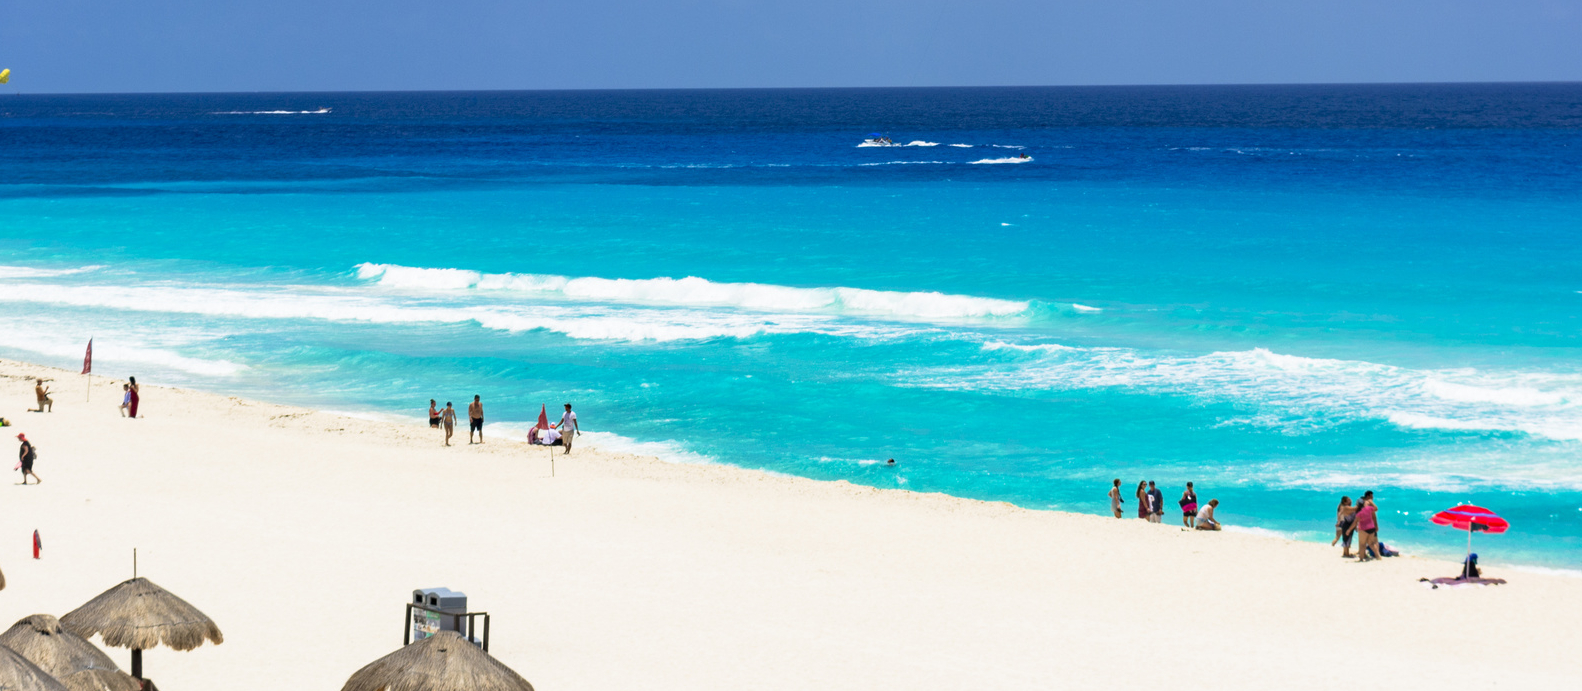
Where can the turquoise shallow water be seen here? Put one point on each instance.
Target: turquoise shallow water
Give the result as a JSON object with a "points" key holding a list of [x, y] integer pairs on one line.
{"points": [[1283, 294]]}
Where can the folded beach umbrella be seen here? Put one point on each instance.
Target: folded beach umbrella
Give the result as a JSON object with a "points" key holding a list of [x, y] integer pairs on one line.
{"points": [[69, 658], [1473, 519], [140, 615], [17, 674], [442, 662]]}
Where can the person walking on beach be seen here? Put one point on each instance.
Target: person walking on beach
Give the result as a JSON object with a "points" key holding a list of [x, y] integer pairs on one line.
{"points": [[25, 457], [475, 419], [568, 428], [1156, 503], [1368, 527], [433, 415], [447, 417], [1115, 499], [126, 398], [1143, 510], [131, 407], [1188, 506], [45, 403], [1205, 516], [1345, 526]]}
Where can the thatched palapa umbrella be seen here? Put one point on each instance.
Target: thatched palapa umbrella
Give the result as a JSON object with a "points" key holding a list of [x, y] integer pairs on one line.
{"points": [[17, 674], [66, 656], [140, 615], [442, 662]]}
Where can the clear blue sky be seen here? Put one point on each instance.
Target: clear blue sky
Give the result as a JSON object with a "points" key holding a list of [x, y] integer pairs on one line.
{"points": [[310, 45]]}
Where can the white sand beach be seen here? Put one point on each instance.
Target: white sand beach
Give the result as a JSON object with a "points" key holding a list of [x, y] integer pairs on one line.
{"points": [[302, 534]]}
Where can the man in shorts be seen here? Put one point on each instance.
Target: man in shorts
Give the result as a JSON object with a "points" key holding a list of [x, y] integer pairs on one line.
{"points": [[568, 428], [45, 403], [447, 417], [475, 419]]}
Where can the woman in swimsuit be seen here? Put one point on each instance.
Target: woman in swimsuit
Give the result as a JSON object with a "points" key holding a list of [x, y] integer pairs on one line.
{"points": [[131, 407], [1345, 526], [1115, 498], [1142, 500], [1188, 506]]}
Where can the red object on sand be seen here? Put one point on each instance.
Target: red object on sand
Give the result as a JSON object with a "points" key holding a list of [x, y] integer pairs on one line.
{"points": [[38, 545], [87, 359], [1473, 518]]}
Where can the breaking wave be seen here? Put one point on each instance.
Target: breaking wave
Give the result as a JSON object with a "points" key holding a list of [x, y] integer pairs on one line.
{"points": [[700, 292]]}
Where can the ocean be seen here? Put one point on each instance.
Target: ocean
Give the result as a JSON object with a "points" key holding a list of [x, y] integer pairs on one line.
{"points": [[1284, 294]]}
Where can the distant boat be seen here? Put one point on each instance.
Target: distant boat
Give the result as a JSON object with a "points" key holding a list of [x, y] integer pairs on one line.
{"points": [[877, 139]]}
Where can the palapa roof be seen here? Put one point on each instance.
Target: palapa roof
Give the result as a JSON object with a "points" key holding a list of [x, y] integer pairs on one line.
{"points": [[442, 662], [140, 615], [17, 674], [69, 658]]}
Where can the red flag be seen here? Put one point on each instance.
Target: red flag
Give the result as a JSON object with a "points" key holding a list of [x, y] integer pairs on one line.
{"points": [[543, 417], [38, 545], [87, 359]]}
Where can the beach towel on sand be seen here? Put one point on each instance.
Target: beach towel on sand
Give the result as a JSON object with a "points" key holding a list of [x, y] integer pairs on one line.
{"points": [[1434, 583]]}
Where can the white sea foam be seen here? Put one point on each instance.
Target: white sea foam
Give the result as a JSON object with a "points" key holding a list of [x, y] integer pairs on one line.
{"points": [[962, 146], [35, 272], [919, 142], [1292, 393], [320, 111], [1007, 146], [699, 292], [1010, 159], [111, 353], [582, 321], [1086, 308], [668, 451]]}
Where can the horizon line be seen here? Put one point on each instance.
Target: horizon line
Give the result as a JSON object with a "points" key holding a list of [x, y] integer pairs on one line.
{"points": [[801, 88]]}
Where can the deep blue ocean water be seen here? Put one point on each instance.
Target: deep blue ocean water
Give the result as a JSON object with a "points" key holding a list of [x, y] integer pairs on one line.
{"points": [[1284, 294]]}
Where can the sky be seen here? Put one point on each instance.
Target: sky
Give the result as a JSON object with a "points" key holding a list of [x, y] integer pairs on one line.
{"points": [[73, 46]]}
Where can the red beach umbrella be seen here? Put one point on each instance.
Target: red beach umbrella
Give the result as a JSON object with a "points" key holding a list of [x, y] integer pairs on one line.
{"points": [[1473, 519]]}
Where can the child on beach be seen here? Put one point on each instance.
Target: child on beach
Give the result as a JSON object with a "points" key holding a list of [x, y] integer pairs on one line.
{"points": [[447, 418], [126, 398]]}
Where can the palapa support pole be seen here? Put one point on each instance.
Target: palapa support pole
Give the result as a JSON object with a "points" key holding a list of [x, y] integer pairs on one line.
{"points": [[137, 664]]}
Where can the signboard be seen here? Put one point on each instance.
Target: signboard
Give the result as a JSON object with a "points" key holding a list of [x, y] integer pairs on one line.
{"points": [[424, 623]]}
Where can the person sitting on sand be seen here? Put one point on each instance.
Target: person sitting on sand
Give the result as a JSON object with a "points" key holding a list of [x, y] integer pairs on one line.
{"points": [[447, 417], [548, 437], [126, 398], [1345, 526], [1205, 516], [1188, 506], [1116, 501], [45, 403]]}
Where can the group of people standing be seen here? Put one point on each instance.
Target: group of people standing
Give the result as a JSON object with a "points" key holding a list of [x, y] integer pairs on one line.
{"points": [[558, 434], [1151, 506], [1361, 521]]}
